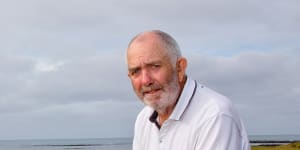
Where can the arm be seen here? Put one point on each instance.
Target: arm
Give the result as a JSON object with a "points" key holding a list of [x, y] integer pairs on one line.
{"points": [[135, 144]]}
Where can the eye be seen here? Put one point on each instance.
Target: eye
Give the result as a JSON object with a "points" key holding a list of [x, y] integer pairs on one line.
{"points": [[134, 72], [155, 66]]}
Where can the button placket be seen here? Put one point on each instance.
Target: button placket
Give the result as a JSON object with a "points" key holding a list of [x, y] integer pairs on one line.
{"points": [[163, 134]]}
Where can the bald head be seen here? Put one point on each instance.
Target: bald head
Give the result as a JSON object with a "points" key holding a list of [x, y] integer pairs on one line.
{"points": [[158, 38]]}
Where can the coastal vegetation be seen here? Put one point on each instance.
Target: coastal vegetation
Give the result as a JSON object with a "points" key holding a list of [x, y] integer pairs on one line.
{"points": [[291, 146]]}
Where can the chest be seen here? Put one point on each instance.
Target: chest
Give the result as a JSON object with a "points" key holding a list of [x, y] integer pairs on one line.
{"points": [[173, 135]]}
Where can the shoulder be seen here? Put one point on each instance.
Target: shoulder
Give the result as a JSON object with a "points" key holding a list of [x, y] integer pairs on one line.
{"points": [[213, 99], [142, 124], [143, 116], [209, 103]]}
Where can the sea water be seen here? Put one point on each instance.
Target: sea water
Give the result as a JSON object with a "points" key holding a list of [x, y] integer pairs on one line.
{"points": [[286, 137], [68, 144]]}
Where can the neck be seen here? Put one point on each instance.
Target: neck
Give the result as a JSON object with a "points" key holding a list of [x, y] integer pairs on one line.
{"points": [[163, 115]]}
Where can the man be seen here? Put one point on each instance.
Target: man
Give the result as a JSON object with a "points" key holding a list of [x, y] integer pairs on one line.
{"points": [[180, 114]]}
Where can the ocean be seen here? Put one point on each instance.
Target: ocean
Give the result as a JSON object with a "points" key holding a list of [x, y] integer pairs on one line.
{"points": [[106, 143], [286, 137], [68, 144]]}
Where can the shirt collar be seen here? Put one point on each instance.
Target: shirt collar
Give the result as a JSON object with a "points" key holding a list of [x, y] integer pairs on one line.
{"points": [[184, 99]]}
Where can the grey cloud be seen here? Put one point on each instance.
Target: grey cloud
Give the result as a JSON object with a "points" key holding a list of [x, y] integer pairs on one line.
{"points": [[96, 78], [262, 85], [248, 71], [59, 28], [86, 79], [92, 94], [14, 74], [77, 120]]}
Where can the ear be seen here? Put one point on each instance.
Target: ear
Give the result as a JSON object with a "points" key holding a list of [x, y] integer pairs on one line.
{"points": [[180, 68]]}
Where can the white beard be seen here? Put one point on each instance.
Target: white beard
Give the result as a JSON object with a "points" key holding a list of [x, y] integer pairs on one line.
{"points": [[167, 98]]}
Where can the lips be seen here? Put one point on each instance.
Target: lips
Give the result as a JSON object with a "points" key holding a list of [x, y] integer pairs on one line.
{"points": [[150, 89]]}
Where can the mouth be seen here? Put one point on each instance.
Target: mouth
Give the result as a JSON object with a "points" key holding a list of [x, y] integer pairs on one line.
{"points": [[153, 91]]}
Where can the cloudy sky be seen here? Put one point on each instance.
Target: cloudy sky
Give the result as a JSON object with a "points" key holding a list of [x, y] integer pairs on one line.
{"points": [[63, 71]]}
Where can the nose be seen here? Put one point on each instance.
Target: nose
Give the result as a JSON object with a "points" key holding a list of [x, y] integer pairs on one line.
{"points": [[146, 78]]}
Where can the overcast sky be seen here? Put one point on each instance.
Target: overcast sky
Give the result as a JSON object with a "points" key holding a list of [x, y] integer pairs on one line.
{"points": [[63, 72]]}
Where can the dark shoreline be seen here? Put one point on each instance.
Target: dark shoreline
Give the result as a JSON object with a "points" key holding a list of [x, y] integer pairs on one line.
{"points": [[271, 142]]}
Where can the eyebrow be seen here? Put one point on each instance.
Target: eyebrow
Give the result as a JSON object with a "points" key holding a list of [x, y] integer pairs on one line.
{"points": [[133, 69], [145, 64]]}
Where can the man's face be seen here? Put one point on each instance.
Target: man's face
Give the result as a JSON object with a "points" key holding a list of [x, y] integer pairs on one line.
{"points": [[152, 74]]}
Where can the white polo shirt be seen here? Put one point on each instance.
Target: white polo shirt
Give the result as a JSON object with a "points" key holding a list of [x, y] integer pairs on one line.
{"points": [[201, 120]]}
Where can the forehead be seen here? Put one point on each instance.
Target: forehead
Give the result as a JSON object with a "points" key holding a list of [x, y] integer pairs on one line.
{"points": [[146, 51]]}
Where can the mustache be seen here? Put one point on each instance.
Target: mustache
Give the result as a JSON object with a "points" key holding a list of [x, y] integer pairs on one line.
{"points": [[151, 87]]}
